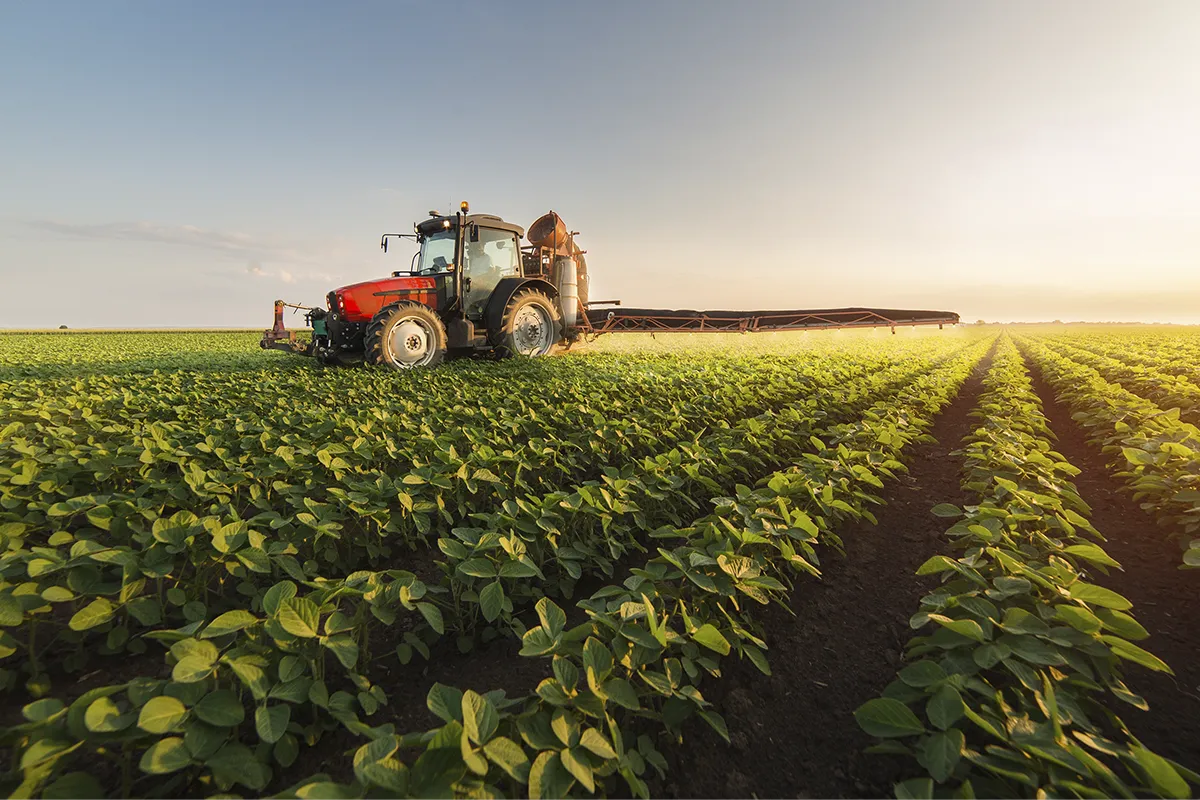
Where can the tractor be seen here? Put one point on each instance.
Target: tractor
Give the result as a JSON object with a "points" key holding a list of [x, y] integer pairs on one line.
{"points": [[471, 288]]}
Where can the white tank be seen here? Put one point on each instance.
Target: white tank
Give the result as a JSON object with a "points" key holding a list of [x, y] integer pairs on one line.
{"points": [[568, 290]]}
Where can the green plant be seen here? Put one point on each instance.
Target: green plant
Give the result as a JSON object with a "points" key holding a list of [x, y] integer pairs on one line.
{"points": [[1009, 693]]}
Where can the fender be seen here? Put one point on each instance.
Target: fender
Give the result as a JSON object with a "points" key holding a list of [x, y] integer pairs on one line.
{"points": [[505, 289]]}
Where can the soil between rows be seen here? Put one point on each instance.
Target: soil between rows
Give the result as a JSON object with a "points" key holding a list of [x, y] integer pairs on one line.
{"points": [[1166, 599], [793, 733]]}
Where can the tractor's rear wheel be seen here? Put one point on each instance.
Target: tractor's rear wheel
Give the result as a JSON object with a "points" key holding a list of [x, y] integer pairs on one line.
{"points": [[531, 326], [405, 336]]}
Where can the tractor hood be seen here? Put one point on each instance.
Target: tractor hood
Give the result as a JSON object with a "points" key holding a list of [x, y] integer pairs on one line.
{"points": [[360, 302]]}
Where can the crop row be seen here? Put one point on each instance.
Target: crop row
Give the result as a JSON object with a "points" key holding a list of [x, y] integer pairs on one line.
{"points": [[1163, 389], [281, 656], [1153, 451], [1008, 693], [1175, 353], [636, 666]]}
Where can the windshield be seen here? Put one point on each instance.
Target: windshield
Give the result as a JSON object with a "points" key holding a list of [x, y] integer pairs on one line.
{"points": [[437, 253]]}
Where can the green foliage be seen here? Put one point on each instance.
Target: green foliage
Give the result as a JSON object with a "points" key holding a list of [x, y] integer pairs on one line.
{"points": [[1012, 691], [638, 661], [1155, 448], [253, 527]]}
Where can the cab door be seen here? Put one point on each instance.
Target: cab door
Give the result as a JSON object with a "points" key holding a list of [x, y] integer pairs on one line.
{"points": [[487, 258]]}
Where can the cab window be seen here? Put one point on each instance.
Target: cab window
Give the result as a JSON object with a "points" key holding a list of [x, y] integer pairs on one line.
{"points": [[494, 256]]}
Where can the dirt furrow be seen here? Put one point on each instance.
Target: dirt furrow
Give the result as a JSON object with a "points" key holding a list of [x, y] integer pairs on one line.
{"points": [[793, 733], [1166, 599]]}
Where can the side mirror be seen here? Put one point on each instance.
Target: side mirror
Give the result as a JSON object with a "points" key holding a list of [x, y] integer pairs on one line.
{"points": [[474, 232], [383, 244]]}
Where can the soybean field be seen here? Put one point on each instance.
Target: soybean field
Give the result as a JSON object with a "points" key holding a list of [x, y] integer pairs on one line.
{"points": [[931, 564]]}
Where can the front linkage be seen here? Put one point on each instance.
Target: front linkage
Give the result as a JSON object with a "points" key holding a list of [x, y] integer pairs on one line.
{"points": [[278, 337]]}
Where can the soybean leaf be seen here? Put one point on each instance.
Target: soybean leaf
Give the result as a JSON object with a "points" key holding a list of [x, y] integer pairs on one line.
{"points": [[922, 673], [594, 741], [1099, 596], [547, 777], [445, 702], [342, 646], [1092, 553], [552, 617], [1163, 777], [284, 590], [887, 718], [964, 627], [235, 763], [162, 714], [191, 669], [42, 710], [1132, 652], [621, 692], [479, 717], [509, 756], [300, 616], [271, 721], [944, 708], [104, 716], [433, 616], [165, 756], [229, 622], [942, 753], [1078, 618], [221, 708], [711, 638], [491, 601], [97, 612]]}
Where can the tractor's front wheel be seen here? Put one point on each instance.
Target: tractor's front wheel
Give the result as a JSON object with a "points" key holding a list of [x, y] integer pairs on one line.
{"points": [[405, 336], [531, 326]]}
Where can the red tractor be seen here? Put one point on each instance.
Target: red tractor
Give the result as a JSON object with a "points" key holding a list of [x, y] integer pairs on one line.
{"points": [[472, 287]]}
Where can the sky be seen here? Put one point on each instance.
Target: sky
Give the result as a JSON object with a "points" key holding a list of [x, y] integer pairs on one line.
{"points": [[186, 163]]}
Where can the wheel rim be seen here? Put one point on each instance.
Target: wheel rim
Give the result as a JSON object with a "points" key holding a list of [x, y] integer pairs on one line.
{"points": [[532, 331], [410, 343]]}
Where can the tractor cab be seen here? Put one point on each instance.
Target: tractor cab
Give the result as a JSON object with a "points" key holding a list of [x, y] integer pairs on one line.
{"points": [[483, 248]]}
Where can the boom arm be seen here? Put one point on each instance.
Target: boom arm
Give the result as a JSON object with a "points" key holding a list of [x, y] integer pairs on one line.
{"points": [[642, 320]]}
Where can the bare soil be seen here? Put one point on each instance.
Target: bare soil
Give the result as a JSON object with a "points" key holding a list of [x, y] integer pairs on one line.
{"points": [[793, 733], [1166, 599]]}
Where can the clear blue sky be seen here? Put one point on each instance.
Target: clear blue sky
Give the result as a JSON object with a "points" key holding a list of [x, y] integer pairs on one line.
{"points": [[187, 163]]}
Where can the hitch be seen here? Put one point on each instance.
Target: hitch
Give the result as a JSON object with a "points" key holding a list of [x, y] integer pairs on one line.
{"points": [[278, 337]]}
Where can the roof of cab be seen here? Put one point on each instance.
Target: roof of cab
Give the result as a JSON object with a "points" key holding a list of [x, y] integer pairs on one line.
{"points": [[434, 224]]}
